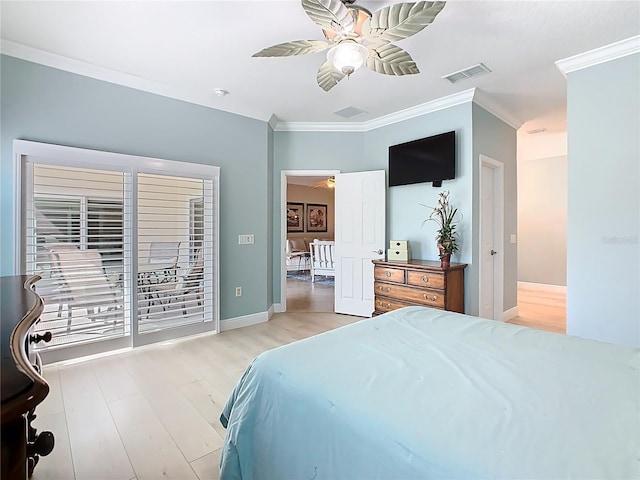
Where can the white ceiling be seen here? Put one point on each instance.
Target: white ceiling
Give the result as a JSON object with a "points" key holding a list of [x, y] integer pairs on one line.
{"points": [[187, 49]]}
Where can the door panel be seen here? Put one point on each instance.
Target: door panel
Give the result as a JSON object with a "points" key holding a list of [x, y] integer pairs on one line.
{"points": [[487, 244], [360, 231]]}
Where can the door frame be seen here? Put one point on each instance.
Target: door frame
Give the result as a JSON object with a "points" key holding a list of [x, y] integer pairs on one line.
{"points": [[497, 168], [282, 306]]}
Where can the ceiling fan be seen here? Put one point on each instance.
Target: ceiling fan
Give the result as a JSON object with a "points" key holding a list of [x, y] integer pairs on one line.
{"points": [[357, 37], [326, 183]]}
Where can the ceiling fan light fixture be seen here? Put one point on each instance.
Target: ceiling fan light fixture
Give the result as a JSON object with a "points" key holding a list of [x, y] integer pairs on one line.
{"points": [[348, 56]]}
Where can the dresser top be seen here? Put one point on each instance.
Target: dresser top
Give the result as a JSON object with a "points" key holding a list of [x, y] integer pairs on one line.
{"points": [[419, 264]]}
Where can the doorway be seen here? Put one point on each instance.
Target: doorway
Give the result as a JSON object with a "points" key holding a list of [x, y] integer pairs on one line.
{"points": [[491, 238], [307, 193]]}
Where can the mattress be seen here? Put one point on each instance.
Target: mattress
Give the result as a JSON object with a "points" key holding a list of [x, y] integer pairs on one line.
{"points": [[420, 393]]}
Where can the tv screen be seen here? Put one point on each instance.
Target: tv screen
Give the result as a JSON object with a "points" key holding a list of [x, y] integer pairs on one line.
{"points": [[430, 159]]}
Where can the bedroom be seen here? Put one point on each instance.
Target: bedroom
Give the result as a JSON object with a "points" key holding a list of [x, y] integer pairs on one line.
{"points": [[46, 104]]}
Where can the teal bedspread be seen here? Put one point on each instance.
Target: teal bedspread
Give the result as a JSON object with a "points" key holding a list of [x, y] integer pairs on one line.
{"points": [[420, 393]]}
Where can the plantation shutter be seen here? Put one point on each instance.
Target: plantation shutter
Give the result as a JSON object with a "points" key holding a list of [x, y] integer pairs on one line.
{"points": [[175, 251], [75, 240]]}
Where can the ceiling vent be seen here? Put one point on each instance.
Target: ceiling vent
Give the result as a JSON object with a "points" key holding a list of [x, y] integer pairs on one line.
{"points": [[350, 112], [468, 72]]}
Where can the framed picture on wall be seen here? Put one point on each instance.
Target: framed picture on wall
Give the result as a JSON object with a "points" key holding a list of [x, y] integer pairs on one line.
{"points": [[316, 217], [295, 217]]}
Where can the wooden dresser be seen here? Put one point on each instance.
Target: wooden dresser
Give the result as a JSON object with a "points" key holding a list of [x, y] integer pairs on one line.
{"points": [[23, 387], [418, 282]]}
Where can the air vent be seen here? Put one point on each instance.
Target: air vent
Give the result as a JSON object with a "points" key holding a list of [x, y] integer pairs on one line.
{"points": [[468, 72], [536, 130], [350, 112]]}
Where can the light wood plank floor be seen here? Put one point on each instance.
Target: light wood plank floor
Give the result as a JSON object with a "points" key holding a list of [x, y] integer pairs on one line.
{"points": [[153, 413]]}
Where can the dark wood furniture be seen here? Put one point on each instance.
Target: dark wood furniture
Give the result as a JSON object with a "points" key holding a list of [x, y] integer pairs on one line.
{"points": [[23, 388], [418, 282]]}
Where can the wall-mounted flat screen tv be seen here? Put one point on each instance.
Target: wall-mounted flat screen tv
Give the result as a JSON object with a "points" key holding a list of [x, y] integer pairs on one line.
{"points": [[430, 159]]}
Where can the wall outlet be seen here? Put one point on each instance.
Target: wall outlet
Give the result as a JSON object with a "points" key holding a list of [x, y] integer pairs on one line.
{"points": [[238, 291], [246, 239]]}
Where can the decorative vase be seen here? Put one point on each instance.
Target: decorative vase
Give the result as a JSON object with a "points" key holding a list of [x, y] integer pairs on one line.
{"points": [[445, 261]]}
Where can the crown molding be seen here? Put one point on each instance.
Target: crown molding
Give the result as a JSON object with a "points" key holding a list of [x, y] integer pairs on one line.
{"points": [[85, 69], [482, 99], [78, 67], [406, 114], [273, 121], [600, 55]]}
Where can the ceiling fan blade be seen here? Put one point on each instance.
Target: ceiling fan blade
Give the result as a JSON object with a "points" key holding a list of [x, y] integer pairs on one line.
{"points": [[402, 20], [328, 77], [389, 59], [329, 14], [288, 49]]}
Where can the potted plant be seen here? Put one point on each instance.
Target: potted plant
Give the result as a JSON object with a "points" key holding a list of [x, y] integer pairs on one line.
{"points": [[447, 218]]}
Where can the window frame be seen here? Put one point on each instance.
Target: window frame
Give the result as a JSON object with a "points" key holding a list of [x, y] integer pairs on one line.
{"points": [[27, 153]]}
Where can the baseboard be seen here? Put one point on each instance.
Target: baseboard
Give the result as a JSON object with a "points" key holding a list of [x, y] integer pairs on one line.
{"points": [[244, 321], [542, 286], [270, 312], [509, 314], [278, 308]]}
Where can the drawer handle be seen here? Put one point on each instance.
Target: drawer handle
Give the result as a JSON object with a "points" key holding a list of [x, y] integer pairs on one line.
{"points": [[425, 279], [37, 338], [388, 274], [388, 305], [382, 289], [431, 299]]}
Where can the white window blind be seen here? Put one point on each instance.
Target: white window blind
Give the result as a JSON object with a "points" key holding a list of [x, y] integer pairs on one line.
{"points": [[127, 250], [75, 241], [174, 252]]}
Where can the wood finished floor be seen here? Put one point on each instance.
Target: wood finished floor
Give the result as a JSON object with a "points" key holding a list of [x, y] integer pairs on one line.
{"points": [[153, 413]]}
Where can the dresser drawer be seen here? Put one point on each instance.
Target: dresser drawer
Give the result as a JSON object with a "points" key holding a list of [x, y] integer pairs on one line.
{"points": [[425, 279], [413, 295], [389, 274], [387, 304]]}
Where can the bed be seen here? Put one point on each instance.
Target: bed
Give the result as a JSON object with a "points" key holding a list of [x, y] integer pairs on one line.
{"points": [[420, 393]]}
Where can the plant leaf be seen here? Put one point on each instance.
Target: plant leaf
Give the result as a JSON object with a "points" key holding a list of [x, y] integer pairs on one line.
{"points": [[389, 59], [328, 77], [329, 14], [402, 20], [288, 49]]}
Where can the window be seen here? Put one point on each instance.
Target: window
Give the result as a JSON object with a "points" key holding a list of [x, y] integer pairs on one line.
{"points": [[61, 220], [91, 238]]}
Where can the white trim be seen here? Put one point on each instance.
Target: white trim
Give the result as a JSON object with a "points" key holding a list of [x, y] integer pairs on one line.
{"points": [[89, 70], [278, 308], [243, 321], [465, 96], [485, 101], [283, 225], [43, 153], [270, 312], [75, 156], [509, 314], [600, 55], [543, 286], [78, 67], [498, 233]]}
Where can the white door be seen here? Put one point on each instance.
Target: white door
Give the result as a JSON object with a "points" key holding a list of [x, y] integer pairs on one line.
{"points": [[491, 227], [360, 213]]}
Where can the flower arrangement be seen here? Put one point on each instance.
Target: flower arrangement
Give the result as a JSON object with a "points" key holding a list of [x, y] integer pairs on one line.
{"points": [[447, 217]]}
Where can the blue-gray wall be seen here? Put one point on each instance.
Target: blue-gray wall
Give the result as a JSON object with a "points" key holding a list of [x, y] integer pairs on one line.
{"points": [[406, 210], [494, 138], [47, 105], [603, 251]]}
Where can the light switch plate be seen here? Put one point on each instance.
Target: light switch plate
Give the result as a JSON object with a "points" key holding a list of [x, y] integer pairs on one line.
{"points": [[513, 239], [245, 239]]}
